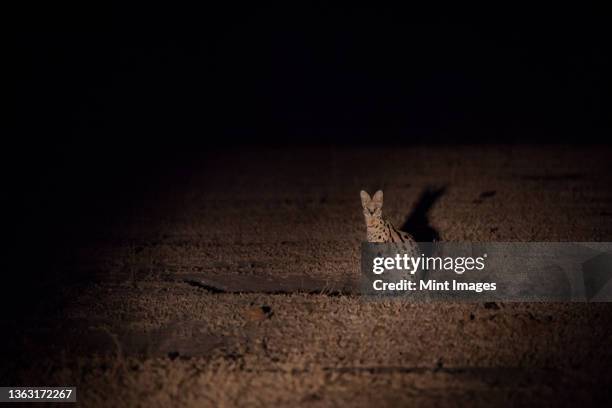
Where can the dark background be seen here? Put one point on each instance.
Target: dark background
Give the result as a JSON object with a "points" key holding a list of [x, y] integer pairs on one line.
{"points": [[111, 98], [109, 78], [132, 126]]}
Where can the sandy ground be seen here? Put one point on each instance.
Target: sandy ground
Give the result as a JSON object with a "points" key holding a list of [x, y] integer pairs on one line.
{"points": [[224, 287]]}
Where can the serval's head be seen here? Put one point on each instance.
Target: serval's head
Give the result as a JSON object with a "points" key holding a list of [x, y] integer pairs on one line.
{"points": [[372, 207]]}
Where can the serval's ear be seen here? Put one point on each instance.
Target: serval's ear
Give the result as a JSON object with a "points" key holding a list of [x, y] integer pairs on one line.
{"points": [[365, 198], [378, 198]]}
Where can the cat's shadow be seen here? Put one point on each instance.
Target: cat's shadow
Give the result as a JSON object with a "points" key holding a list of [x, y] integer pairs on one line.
{"points": [[417, 222]]}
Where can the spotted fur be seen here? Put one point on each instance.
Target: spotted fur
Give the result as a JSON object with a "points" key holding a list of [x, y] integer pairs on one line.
{"points": [[378, 229]]}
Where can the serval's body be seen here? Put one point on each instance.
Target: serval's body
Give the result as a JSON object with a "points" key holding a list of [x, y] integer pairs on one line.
{"points": [[381, 231]]}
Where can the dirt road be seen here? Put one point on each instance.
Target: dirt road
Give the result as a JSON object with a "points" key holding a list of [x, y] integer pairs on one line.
{"points": [[224, 286]]}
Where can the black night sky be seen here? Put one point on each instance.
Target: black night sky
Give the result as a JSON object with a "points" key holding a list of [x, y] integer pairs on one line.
{"points": [[107, 79]]}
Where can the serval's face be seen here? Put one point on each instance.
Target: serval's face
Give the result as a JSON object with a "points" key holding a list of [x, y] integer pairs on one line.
{"points": [[372, 207]]}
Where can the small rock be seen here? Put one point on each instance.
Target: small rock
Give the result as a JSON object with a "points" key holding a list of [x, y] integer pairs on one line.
{"points": [[259, 313], [439, 365], [378, 330]]}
